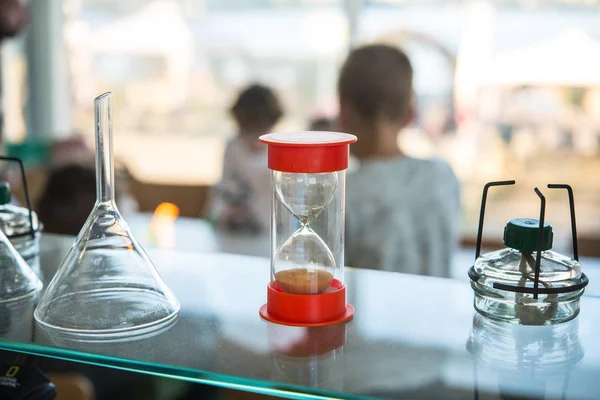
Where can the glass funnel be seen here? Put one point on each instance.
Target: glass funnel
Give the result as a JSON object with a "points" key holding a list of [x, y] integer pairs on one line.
{"points": [[106, 287], [19, 290]]}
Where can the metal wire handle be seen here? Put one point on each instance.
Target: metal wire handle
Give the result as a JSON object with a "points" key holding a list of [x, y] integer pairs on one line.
{"points": [[482, 211], [572, 207], [538, 258], [26, 189], [535, 290]]}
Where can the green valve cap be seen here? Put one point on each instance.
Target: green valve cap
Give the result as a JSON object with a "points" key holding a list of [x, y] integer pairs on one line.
{"points": [[522, 234], [4, 193]]}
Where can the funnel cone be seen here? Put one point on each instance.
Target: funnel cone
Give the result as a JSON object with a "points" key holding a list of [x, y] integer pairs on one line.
{"points": [[19, 289], [106, 286], [17, 279]]}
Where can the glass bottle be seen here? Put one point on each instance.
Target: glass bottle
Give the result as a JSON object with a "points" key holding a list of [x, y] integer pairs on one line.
{"points": [[515, 267]]}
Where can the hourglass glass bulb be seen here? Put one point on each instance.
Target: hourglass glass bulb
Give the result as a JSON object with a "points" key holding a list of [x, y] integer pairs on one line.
{"points": [[303, 263], [305, 195]]}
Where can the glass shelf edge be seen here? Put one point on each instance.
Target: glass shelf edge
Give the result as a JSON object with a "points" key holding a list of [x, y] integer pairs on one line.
{"points": [[288, 391]]}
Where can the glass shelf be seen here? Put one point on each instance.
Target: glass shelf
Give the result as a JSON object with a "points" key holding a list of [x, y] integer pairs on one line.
{"points": [[411, 337]]}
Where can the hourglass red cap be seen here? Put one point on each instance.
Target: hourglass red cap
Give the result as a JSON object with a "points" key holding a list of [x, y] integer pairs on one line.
{"points": [[308, 152]]}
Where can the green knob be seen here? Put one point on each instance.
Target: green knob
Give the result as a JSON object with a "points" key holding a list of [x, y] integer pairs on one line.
{"points": [[522, 234], [4, 193]]}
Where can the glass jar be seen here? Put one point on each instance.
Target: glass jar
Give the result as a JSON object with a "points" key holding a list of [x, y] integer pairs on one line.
{"points": [[16, 225], [504, 280], [307, 227]]}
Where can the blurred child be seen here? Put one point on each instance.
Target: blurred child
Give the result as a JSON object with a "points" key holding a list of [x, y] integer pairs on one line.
{"points": [[322, 124], [68, 198], [402, 213], [70, 193], [241, 201]]}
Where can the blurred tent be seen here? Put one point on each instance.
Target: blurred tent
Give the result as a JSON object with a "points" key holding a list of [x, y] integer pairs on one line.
{"points": [[305, 33], [158, 28], [157, 31], [570, 59]]}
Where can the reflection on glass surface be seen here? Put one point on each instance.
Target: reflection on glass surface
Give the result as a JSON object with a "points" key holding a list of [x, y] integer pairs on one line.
{"points": [[530, 361], [127, 347], [19, 291], [17, 279], [310, 357], [16, 319], [406, 342]]}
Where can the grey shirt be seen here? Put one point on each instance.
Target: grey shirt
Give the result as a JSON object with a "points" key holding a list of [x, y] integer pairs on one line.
{"points": [[402, 215]]}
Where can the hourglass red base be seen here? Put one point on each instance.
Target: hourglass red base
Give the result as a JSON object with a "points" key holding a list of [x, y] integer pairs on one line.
{"points": [[308, 310]]}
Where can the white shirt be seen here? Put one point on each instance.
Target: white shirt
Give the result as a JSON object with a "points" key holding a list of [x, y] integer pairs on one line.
{"points": [[245, 183], [402, 215]]}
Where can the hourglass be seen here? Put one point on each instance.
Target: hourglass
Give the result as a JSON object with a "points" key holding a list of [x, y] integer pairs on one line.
{"points": [[307, 228]]}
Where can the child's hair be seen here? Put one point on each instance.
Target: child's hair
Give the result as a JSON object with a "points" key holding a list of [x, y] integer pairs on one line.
{"points": [[257, 108], [67, 199], [377, 81], [69, 196], [322, 124]]}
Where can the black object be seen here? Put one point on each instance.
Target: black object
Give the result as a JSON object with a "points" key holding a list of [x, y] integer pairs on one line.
{"points": [[535, 290], [538, 258], [523, 233], [5, 320], [572, 208], [24, 382], [482, 211], [32, 229]]}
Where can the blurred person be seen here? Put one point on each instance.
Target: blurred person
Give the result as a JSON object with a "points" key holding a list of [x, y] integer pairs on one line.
{"points": [[325, 124], [322, 124], [402, 213], [241, 200], [70, 150], [74, 150], [70, 193], [67, 199], [13, 18]]}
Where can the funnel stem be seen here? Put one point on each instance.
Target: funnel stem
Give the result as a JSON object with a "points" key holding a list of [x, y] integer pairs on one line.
{"points": [[105, 174]]}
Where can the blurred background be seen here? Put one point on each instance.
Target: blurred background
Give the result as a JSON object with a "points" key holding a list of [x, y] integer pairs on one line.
{"points": [[505, 89]]}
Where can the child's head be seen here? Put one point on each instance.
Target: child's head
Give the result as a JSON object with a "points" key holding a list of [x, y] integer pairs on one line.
{"points": [[256, 110], [322, 124], [68, 198], [70, 193], [375, 92]]}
